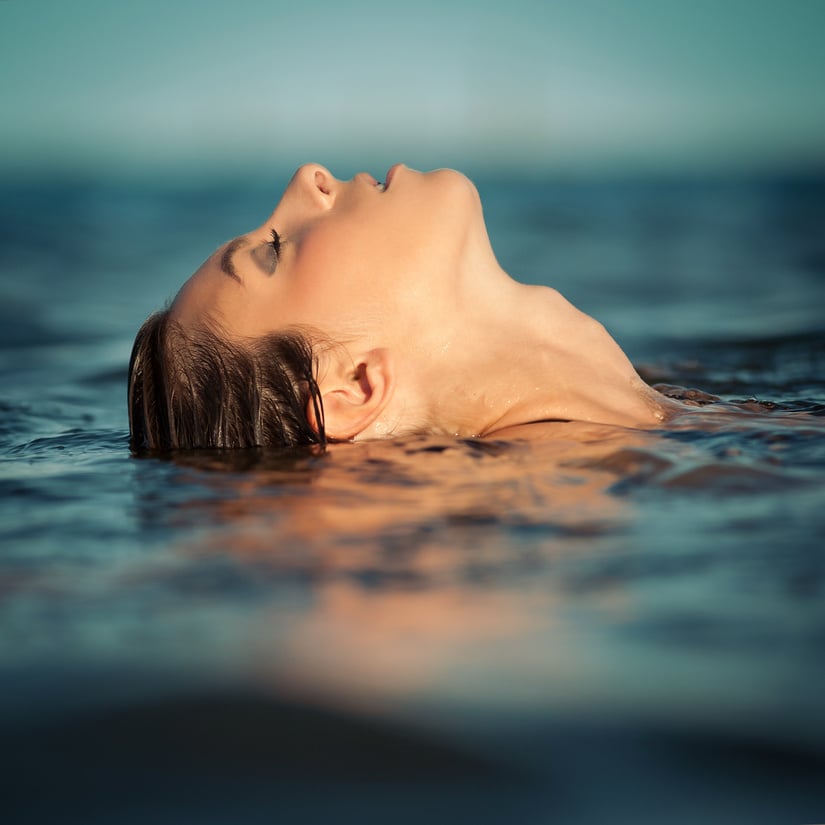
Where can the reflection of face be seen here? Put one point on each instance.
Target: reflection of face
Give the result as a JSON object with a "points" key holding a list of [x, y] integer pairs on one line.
{"points": [[351, 254]]}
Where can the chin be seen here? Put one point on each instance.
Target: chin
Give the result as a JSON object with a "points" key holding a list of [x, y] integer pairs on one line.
{"points": [[457, 187], [459, 178]]}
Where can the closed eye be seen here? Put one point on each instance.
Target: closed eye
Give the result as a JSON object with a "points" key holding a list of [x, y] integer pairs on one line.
{"points": [[275, 243]]}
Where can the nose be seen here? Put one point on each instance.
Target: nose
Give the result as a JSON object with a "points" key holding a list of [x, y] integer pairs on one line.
{"points": [[316, 183], [311, 191]]}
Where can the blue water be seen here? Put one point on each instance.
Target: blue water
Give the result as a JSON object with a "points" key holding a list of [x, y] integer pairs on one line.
{"points": [[623, 627]]}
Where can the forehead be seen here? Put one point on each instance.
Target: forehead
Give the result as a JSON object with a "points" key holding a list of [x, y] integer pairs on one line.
{"points": [[209, 288]]}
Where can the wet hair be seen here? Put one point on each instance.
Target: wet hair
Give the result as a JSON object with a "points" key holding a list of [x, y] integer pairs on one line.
{"points": [[194, 388]]}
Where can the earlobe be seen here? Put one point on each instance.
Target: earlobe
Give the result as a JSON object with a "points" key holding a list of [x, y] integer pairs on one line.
{"points": [[354, 392]]}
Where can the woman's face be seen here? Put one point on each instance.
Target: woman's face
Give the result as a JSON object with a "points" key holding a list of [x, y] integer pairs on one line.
{"points": [[352, 257]]}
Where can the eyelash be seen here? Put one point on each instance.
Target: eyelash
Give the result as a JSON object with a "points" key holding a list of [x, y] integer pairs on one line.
{"points": [[275, 243]]}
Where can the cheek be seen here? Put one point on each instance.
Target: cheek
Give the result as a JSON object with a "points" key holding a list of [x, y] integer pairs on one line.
{"points": [[352, 253], [329, 282], [326, 258]]}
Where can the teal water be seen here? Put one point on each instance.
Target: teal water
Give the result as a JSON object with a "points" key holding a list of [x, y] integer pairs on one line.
{"points": [[603, 626]]}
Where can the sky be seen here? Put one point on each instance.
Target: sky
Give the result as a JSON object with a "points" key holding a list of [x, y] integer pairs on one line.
{"points": [[181, 86]]}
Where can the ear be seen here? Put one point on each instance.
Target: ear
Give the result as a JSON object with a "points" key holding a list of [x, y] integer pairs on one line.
{"points": [[354, 391]]}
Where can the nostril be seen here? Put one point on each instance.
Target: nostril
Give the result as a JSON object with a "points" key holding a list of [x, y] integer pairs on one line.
{"points": [[321, 182]]}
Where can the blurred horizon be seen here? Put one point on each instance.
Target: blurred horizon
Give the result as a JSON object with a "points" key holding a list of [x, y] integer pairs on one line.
{"points": [[212, 90]]}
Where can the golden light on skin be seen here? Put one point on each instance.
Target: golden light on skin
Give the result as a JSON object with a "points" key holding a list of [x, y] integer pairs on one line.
{"points": [[431, 332]]}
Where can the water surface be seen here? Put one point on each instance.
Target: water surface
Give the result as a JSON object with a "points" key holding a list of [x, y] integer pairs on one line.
{"points": [[606, 624]]}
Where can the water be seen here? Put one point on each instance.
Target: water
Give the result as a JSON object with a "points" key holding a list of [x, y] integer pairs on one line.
{"points": [[605, 625]]}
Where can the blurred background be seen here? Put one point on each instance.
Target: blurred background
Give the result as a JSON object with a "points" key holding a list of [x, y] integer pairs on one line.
{"points": [[525, 88], [490, 632]]}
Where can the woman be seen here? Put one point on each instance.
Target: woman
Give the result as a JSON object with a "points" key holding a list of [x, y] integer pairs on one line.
{"points": [[362, 310]]}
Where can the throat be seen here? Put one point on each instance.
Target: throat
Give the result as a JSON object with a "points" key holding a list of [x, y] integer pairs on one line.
{"points": [[556, 363], [510, 355]]}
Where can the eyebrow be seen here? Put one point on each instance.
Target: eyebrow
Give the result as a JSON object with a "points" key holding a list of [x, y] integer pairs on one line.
{"points": [[227, 262]]}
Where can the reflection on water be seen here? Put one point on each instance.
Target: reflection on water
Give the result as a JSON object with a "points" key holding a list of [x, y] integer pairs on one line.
{"points": [[428, 572], [600, 624], [361, 495]]}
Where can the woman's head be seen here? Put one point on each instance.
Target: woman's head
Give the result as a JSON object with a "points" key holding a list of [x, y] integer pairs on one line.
{"points": [[349, 258], [379, 269]]}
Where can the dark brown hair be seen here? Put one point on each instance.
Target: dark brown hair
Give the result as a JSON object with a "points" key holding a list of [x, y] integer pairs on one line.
{"points": [[195, 388]]}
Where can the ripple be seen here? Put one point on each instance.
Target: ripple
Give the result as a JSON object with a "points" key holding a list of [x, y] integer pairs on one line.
{"points": [[714, 478], [75, 442]]}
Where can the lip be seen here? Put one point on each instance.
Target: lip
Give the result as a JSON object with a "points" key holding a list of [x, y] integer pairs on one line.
{"points": [[391, 174]]}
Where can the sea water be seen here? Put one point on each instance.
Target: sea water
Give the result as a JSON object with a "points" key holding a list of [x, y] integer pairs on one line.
{"points": [[606, 625]]}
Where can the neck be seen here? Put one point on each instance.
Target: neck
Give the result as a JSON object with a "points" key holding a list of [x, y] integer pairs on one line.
{"points": [[517, 354]]}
